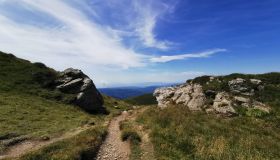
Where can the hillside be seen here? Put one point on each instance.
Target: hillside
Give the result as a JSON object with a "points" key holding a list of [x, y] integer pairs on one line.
{"points": [[210, 117], [32, 110], [181, 130], [145, 99]]}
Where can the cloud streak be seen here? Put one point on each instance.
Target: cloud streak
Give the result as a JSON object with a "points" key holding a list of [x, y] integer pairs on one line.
{"points": [[205, 54], [62, 34], [147, 20], [76, 36]]}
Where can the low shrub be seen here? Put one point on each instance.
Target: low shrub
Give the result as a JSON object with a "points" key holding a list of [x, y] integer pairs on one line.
{"points": [[256, 113], [133, 136], [40, 65]]}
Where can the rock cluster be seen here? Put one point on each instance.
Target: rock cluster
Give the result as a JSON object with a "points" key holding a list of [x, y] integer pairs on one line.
{"points": [[191, 96], [74, 81], [243, 87], [221, 102]]}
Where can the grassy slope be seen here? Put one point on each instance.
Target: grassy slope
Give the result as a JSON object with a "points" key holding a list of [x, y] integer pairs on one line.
{"points": [[180, 134], [28, 106], [82, 146], [145, 99], [36, 116]]}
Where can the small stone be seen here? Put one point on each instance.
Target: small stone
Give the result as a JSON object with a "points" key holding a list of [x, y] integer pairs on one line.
{"points": [[45, 138], [241, 99], [255, 81]]}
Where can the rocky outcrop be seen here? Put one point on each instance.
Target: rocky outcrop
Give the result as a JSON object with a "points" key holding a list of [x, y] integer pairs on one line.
{"points": [[243, 87], [191, 96], [225, 102], [238, 85], [164, 95], [74, 81]]}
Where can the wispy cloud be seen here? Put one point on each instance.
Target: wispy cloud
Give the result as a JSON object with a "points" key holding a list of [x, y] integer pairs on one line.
{"points": [[205, 54], [81, 39], [148, 16], [139, 18], [91, 36]]}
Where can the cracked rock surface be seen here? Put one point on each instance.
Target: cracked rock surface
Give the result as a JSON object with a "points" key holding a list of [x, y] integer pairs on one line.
{"points": [[74, 81]]}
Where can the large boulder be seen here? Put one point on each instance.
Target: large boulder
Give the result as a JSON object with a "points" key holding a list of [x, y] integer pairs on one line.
{"points": [[245, 87], [223, 104], [74, 81], [163, 96], [238, 85]]}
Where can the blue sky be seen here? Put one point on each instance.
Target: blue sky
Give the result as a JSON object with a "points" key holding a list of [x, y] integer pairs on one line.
{"points": [[129, 42]]}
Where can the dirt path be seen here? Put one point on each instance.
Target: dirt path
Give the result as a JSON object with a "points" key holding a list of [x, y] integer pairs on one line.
{"points": [[113, 148], [32, 145]]}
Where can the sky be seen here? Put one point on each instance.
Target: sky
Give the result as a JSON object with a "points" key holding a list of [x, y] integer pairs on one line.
{"points": [[137, 42]]}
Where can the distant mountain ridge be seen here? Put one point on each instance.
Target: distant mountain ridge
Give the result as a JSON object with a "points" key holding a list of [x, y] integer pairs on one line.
{"points": [[145, 99]]}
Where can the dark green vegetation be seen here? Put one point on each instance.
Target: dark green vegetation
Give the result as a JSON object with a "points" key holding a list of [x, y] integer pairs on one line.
{"points": [[145, 99], [31, 107], [180, 134]]}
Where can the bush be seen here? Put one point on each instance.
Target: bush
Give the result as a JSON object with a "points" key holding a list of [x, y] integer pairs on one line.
{"points": [[45, 78], [131, 135], [145, 99], [256, 113], [40, 65], [200, 80]]}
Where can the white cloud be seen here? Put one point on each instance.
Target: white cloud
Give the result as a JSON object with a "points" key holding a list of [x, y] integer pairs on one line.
{"points": [[205, 54], [148, 15], [77, 40]]}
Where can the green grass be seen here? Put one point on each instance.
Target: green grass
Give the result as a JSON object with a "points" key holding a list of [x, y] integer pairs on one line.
{"points": [[180, 134], [115, 106], [21, 76], [146, 99], [36, 116], [83, 146], [31, 106]]}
